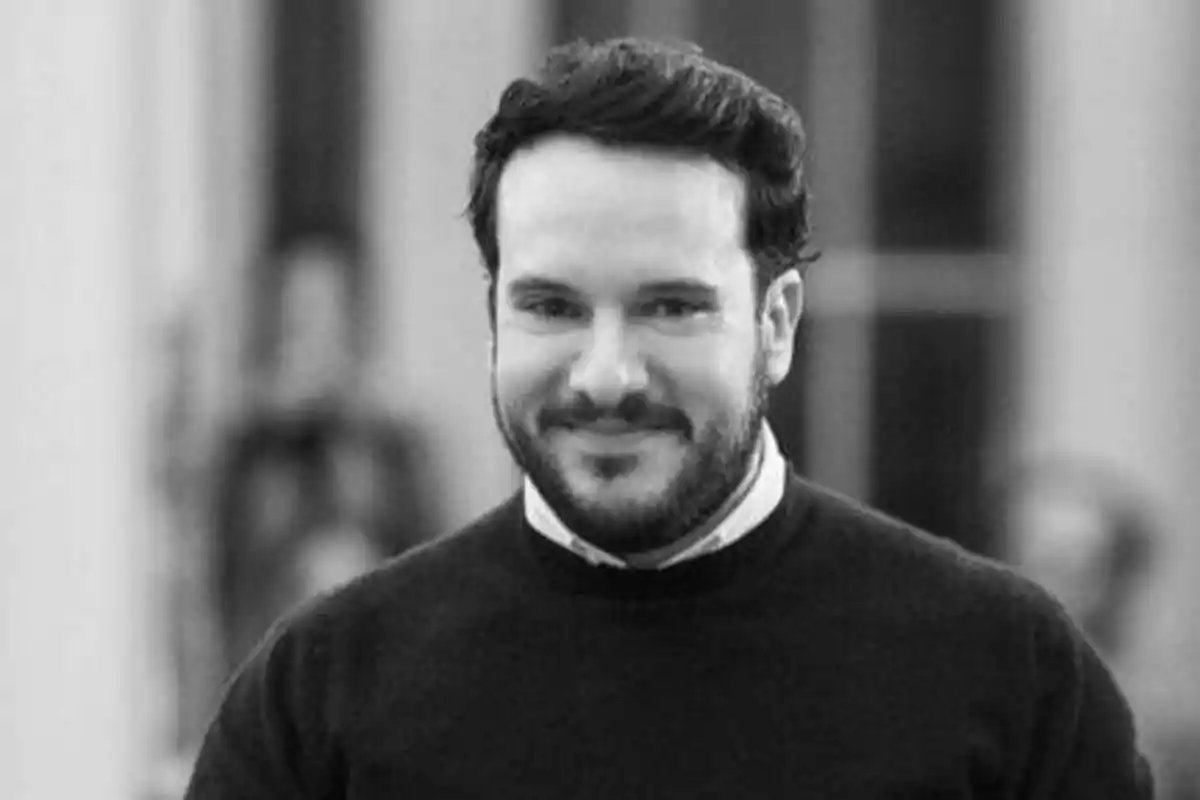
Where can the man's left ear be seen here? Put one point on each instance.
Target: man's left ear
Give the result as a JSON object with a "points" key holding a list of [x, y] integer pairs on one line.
{"points": [[782, 307]]}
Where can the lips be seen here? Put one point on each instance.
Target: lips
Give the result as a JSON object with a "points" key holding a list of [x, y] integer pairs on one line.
{"points": [[613, 428], [614, 439]]}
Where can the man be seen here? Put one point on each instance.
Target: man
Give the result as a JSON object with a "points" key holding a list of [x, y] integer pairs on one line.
{"points": [[664, 610]]}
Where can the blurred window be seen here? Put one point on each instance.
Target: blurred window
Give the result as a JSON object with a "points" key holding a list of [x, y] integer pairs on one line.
{"points": [[936, 95]]}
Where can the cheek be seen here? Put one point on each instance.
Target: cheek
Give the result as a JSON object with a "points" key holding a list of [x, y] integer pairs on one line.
{"points": [[525, 371], [707, 378]]}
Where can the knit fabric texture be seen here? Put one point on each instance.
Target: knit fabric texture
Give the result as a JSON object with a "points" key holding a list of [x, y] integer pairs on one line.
{"points": [[832, 653]]}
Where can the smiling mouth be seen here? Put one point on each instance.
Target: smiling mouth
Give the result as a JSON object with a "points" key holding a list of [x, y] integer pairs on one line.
{"points": [[614, 428], [615, 439], [617, 428]]}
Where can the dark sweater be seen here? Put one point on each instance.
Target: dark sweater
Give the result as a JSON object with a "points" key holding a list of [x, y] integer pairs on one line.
{"points": [[832, 653]]}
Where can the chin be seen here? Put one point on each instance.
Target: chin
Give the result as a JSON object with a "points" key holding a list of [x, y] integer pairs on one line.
{"points": [[631, 494], [620, 505], [632, 498]]}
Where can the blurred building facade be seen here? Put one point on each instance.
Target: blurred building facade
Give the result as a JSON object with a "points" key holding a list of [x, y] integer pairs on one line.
{"points": [[1004, 194]]}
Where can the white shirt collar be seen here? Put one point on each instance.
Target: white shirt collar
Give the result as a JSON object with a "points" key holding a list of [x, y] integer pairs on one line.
{"points": [[756, 504]]}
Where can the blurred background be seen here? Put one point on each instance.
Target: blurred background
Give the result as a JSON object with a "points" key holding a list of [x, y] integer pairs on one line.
{"points": [[244, 338]]}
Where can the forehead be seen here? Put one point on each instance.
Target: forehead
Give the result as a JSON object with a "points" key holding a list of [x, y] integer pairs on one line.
{"points": [[586, 212]]}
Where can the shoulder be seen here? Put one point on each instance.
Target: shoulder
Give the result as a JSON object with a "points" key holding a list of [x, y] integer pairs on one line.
{"points": [[1068, 724], [903, 560], [329, 642], [932, 589], [458, 567]]}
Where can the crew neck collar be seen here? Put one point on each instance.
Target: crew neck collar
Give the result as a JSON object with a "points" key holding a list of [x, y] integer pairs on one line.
{"points": [[754, 500]]}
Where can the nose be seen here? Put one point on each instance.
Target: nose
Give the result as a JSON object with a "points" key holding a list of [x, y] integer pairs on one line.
{"points": [[610, 367]]}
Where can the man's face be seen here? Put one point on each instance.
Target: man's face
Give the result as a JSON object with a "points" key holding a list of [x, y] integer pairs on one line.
{"points": [[630, 363]]}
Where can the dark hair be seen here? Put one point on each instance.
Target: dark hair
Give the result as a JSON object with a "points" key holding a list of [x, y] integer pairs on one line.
{"points": [[643, 93]]}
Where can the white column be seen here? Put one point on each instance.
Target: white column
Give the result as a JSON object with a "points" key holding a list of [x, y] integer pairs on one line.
{"points": [[216, 100], [1110, 331], [437, 70], [235, 44], [73, 556], [105, 234]]}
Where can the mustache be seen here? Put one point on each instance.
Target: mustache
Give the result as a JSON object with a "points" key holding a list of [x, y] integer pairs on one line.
{"points": [[634, 411]]}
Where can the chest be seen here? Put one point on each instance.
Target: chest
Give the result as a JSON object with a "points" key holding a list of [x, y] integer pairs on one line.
{"points": [[663, 706]]}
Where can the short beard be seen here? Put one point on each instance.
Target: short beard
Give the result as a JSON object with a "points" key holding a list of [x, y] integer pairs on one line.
{"points": [[722, 455]]}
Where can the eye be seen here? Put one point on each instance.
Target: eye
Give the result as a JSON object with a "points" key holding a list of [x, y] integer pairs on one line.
{"points": [[673, 308], [553, 308]]}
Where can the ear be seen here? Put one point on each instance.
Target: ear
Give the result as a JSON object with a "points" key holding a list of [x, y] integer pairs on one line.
{"points": [[782, 307]]}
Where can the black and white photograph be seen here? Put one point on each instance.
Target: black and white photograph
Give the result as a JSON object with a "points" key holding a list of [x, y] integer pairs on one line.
{"points": [[600, 399]]}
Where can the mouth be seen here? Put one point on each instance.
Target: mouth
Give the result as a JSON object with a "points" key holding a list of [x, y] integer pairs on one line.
{"points": [[616, 437]]}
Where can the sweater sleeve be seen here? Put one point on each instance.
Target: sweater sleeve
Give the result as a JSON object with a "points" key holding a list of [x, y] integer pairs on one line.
{"points": [[1084, 741], [271, 738]]}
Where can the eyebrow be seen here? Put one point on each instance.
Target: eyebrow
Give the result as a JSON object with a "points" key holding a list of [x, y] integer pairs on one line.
{"points": [[682, 286], [536, 285], [533, 285]]}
